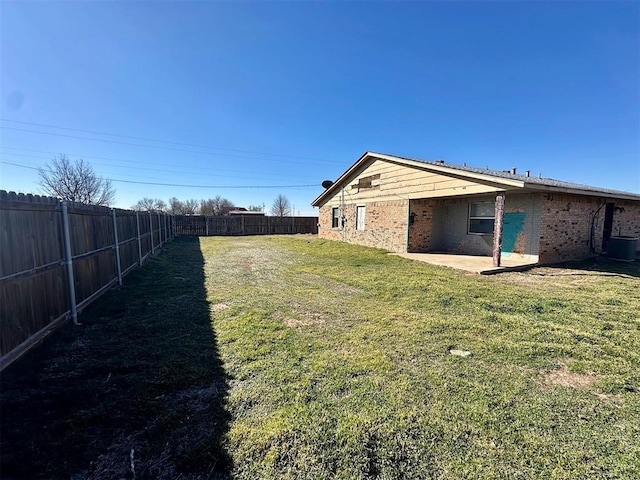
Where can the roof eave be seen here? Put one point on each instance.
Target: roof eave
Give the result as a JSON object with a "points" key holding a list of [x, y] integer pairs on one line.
{"points": [[581, 191]]}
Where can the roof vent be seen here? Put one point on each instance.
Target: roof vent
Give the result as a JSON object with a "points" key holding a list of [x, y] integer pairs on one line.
{"points": [[528, 172], [327, 184], [514, 170], [439, 162]]}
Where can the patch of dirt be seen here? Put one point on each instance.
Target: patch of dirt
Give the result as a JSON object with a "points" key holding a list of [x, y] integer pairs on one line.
{"points": [[565, 378], [219, 307], [306, 318], [609, 397], [334, 286], [567, 277]]}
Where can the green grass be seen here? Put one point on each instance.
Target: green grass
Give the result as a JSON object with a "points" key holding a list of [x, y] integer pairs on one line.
{"points": [[340, 365], [293, 357]]}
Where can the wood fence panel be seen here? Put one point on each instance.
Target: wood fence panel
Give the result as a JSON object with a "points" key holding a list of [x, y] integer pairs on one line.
{"points": [[40, 241], [34, 287], [127, 238], [243, 225], [24, 301], [92, 273]]}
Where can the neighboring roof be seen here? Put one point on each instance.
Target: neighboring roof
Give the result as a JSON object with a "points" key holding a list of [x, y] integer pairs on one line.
{"points": [[244, 211], [505, 178]]}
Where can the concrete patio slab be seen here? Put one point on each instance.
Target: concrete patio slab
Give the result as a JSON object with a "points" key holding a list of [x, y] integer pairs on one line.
{"points": [[471, 263]]}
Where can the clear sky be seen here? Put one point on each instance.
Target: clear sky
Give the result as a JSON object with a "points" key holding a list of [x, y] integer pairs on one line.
{"points": [[278, 94]]}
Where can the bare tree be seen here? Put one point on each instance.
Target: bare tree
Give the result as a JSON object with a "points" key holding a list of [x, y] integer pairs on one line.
{"points": [[75, 181], [221, 204], [190, 207], [215, 206], [149, 204], [175, 206], [255, 208], [281, 206]]}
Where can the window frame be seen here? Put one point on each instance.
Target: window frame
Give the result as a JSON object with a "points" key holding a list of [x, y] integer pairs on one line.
{"points": [[360, 223], [335, 217], [471, 217]]}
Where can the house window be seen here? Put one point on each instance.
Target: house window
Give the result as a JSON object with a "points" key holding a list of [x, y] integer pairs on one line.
{"points": [[360, 214], [481, 218], [335, 218]]}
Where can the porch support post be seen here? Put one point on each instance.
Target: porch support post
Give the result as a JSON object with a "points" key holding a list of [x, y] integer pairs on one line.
{"points": [[497, 229]]}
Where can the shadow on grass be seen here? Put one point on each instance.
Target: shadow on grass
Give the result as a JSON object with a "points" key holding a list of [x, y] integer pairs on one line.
{"points": [[600, 266], [136, 391]]}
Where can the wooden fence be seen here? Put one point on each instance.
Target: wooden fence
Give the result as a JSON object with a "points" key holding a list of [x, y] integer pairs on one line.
{"points": [[243, 225], [57, 257]]}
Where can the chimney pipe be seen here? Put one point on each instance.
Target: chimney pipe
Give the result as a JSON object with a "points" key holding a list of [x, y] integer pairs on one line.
{"points": [[513, 170], [528, 173]]}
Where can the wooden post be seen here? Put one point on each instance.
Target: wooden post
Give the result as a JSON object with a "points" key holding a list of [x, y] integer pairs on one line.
{"points": [[159, 230], [497, 229]]}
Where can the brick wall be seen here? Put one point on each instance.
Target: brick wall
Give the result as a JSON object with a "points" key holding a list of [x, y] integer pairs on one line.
{"points": [[385, 225], [422, 229], [566, 225]]}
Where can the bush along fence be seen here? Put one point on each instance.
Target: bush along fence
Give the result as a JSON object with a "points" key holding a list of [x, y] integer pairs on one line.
{"points": [[243, 225], [56, 257]]}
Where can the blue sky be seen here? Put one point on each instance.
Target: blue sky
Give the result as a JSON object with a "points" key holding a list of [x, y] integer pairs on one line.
{"points": [[277, 95]]}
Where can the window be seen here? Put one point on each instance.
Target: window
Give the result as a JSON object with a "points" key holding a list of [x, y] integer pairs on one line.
{"points": [[360, 214], [481, 218], [335, 218]]}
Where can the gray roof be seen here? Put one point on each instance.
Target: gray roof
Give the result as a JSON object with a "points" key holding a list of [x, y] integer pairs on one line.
{"points": [[549, 182]]}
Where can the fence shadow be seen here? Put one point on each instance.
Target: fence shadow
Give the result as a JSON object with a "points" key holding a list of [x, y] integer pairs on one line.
{"points": [[136, 391]]}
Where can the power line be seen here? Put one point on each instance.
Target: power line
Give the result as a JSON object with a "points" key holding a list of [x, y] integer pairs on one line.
{"points": [[159, 141], [178, 184], [156, 141], [150, 166]]}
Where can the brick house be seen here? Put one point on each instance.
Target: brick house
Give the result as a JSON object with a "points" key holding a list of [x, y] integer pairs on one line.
{"points": [[407, 205]]}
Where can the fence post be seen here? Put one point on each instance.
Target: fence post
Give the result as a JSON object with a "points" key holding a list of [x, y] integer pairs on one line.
{"points": [[139, 239], [151, 231], [116, 245], [69, 263], [159, 231]]}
